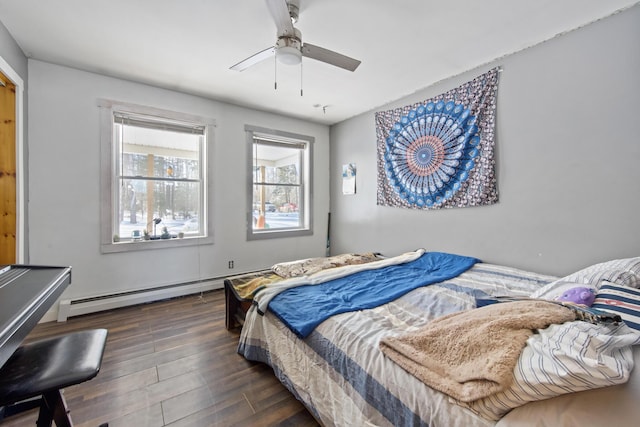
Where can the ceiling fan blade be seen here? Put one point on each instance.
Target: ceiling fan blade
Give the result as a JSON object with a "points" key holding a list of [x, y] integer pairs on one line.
{"points": [[280, 13], [253, 59], [329, 56]]}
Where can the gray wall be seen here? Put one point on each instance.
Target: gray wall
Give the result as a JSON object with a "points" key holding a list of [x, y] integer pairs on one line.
{"points": [[12, 54], [64, 170], [568, 157]]}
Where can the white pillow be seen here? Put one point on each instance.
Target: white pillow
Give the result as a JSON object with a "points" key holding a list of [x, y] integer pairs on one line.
{"points": [[620, 271], [610, 406], [567, 358]]}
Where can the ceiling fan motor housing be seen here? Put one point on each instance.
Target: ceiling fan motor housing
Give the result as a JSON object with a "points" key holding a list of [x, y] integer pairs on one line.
{"points": [[288, 48]]}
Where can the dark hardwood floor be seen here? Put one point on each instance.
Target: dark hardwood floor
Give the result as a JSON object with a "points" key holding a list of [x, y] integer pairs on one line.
{"points": [[172, 363]]}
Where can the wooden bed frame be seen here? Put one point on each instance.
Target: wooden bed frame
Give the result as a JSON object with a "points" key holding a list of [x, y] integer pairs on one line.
{"points": [[236, 306]]}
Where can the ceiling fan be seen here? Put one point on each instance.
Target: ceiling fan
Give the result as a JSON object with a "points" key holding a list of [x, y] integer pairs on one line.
{"points": [[289, 48]]}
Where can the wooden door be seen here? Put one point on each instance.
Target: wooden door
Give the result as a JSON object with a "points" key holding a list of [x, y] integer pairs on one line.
{"points": [[8, 171]]}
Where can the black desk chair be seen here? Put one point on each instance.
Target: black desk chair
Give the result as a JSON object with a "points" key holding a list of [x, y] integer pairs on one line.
{"points": [[43, 368]]}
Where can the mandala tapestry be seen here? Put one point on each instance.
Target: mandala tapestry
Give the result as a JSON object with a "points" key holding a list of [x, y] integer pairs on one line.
{"points": [[440, 153]]}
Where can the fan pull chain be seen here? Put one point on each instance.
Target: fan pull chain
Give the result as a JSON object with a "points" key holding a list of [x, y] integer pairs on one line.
{"points": [[275, 73], [300, 78]]}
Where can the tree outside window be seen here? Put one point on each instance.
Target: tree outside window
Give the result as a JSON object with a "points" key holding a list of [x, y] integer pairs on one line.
{"points": [[280, 195], [157, 175]]}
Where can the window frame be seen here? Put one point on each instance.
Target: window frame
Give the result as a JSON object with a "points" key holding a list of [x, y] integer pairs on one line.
{"points": [[109, 176], [306, 182]]}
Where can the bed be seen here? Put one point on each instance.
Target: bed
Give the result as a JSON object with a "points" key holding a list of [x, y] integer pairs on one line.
{"points": [[569, 372]]}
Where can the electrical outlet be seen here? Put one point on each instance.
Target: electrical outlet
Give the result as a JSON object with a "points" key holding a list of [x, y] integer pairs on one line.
{"points": [[230, 264]]}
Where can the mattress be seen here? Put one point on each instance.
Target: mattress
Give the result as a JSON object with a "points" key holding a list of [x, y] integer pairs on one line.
{"points": [[343, 378], [340, 374]]}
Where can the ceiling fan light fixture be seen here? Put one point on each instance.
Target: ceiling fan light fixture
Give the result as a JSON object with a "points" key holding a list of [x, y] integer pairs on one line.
{"points": [[289, 49], [289, 55]]}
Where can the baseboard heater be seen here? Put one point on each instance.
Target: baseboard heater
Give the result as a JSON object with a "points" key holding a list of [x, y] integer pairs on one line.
{"points": [[76, 307]]}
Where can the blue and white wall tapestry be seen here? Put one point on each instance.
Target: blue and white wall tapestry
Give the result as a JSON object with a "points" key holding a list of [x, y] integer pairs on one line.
{"points": [[440, 153]]}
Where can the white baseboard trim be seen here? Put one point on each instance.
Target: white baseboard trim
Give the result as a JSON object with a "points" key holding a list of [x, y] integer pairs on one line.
{"points": [[76, 307]]}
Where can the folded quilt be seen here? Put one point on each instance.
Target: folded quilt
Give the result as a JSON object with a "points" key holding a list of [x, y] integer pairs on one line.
{"points": [[247, 285], [302, 308], [266, 294], [305, 267], [472, 354]]}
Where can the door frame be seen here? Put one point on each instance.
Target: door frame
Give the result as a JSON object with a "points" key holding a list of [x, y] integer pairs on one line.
{"points": [[9, 72]]}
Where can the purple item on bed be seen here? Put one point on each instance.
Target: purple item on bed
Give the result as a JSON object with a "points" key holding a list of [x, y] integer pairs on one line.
{"points": [[578, 295]]}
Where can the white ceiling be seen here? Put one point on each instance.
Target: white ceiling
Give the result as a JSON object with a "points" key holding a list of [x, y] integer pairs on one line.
{"points": [[189, 45]]}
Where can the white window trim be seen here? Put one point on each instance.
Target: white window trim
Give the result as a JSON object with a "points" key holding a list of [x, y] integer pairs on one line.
{"points": [[307, 230], [21, 188], [107, 160]]}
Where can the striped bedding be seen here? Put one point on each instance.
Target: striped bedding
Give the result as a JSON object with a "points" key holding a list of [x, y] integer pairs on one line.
{"points": [[343, 378]]}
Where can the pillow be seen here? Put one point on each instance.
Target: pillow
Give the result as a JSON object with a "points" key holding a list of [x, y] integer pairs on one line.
{"points": [[566, 358], [620, 271], [587, 408], [621, 300]]}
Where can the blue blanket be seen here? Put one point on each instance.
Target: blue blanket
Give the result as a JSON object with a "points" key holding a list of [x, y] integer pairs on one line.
{"points": [[303, 308]]}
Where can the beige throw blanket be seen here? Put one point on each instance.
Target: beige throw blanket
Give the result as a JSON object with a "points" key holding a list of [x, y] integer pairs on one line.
{"points": [[470, 355]]}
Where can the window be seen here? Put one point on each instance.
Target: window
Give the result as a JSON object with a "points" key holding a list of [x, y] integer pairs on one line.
{"points": [[280, 194], [154, 168]]}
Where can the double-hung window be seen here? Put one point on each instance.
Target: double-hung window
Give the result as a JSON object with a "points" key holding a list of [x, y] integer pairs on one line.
{"points": [[154, 169], [280, 193]]}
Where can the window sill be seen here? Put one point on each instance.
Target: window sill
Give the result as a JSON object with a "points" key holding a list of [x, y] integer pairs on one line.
{"points": [[275, 233], [143, 245]]}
